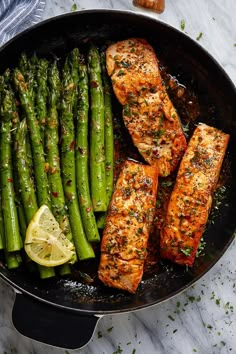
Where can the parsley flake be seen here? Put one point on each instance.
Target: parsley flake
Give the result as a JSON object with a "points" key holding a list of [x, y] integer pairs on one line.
{"points": [[199, 36], [73, 7], [182, 25], [100, 334]]}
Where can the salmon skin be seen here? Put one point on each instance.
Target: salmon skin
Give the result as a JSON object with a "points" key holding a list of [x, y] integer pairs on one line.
{"points": [[125, 236], [191, 199], [148, 112]]}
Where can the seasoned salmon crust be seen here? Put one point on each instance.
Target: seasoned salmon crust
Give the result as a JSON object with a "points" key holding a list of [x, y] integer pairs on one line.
{"points": [[191, 198], [148, 112], [125, 237]]}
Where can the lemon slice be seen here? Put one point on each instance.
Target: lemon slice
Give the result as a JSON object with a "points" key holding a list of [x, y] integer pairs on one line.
{"points": [[45, 242]]}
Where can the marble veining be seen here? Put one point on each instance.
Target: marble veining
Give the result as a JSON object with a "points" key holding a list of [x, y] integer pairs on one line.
{"points": [[203, 318]]}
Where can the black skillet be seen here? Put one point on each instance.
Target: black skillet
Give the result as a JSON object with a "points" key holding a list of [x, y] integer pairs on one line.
{"points": [[64, 312]]}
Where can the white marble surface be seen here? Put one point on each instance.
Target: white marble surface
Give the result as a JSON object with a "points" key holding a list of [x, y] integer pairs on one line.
{"points": [[202, 319]]}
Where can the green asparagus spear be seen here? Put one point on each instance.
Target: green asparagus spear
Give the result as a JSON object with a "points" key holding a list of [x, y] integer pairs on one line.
{"points": [[1, 239], [10, 257], [109, 138], [2, 244], [97, 158], [24, 68], [21, 218], [83, 247], [27, 68], [23, 64], [26, 185], [42, 186], [11, 260], [81, 148], [25, 181], [74, 67], [41, 95], [11, 224], [15, 124], [52, 151]]}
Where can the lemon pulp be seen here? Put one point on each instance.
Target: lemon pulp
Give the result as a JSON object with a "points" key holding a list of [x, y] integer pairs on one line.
{"points": [[45, 242]]}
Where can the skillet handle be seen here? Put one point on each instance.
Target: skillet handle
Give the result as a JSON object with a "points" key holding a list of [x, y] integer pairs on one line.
{"points": [[52, 325]]}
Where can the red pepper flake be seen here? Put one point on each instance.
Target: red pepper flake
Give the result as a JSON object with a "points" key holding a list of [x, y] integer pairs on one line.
{"points": [[81, 150], [68, 183], [94, 84], [55, 194], [46, 167], [10, 180], [88, 209], [72, 144], [53, 170], [108, 167]]}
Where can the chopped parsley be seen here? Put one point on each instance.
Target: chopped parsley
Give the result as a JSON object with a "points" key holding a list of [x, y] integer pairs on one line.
{"points": [[124, 64], [186, 251], [158, 204], [167, 183], [186, 129], [199, 36], [171, 318], [127, 112], [182, 25], [201, 248], [74, 7], [100, 334], [120, 72], [119, 350]]}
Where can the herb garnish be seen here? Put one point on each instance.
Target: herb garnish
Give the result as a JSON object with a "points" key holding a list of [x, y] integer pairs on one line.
{"points": [[182, 25], [119, 350], [74, 7], [186, 251], [171, 318], [186, 129], [201, 248], [100, 334], [199, 36], [167, 183]]}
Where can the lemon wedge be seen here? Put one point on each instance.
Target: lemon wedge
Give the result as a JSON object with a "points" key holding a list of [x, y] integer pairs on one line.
{"points": [[45, 242]]}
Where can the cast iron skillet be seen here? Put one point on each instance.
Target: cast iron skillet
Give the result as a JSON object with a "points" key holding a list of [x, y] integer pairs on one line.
{"points": [[66, 309]]}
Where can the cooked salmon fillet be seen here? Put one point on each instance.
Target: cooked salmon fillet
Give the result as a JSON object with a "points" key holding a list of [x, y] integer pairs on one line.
{"points": [[125, 237], [148, 112], [191, 198]]}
